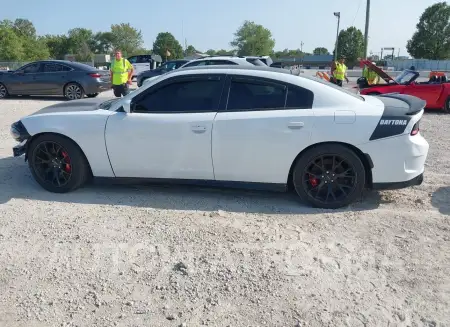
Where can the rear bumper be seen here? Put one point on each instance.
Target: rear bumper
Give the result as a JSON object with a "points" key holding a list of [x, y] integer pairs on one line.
{"points": [[97, 87], [398, 185], [397, 160]]}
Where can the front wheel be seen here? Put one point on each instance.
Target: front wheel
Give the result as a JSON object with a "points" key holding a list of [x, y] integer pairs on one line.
{"points": [[93, 95], [373, 93], [57, 164], [73, 91], [329, 176]]}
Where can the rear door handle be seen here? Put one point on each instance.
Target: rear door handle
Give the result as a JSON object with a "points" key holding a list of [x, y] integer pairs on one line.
{"points": [[296, 124], [198, 129]]}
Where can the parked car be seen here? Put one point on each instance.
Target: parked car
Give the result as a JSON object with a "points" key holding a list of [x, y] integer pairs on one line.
{"points": [[142, 63], [72, 80], [236, 126], [164, 68], [435, 91], [224, 60]]}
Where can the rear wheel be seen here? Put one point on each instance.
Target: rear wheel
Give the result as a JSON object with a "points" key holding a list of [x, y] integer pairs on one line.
{"points": [[73, 91], [447, 106], [3, 91], [93, 95], [329, 176], [57, 163]]}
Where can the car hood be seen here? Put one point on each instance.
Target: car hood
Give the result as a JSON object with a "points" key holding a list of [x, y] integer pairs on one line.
{"points": [[72, 106]]}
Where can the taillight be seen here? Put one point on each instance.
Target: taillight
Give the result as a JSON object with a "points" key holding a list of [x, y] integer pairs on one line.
{"points": [[95, 75], [415, 130]]}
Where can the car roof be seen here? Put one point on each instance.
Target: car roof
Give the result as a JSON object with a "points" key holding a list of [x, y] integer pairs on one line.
{"points": [[72, 64]]}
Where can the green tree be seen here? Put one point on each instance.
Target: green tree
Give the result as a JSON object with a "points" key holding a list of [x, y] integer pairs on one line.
{"points": [[321, 51], [103, 42], [351, 44], [80, 43], [190, 50], [432, 38], [211, 52], [24, 28], [36, 49], [11, 48], [164, 42], [252, 39], [223, 52], [126, 38], [58, 45]]}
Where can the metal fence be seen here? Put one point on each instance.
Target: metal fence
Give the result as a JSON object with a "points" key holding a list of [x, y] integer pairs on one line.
{"points": [[420, 64], [12, 65]]}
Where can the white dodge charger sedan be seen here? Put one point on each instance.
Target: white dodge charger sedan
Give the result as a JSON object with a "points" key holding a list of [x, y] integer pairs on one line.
{"points": [[252, 127]]}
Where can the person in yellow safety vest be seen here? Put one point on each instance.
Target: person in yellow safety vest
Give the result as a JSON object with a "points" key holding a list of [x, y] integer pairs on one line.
{"points": [[121, 74], [339, 71], [371, 77]]}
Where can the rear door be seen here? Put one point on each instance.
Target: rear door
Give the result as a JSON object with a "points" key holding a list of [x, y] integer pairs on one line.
{"points": [[24, 81], [265, 125], [428, 92], [53, 77]]}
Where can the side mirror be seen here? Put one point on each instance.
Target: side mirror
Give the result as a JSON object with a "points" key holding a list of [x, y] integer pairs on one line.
{"points": [[127, 106]]}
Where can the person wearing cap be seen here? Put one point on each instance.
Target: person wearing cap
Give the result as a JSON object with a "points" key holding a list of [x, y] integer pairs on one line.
{"points": [[121, 74], [371, 76], [339, 71]]}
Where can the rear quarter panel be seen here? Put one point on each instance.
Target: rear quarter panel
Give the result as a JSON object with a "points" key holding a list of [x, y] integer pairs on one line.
{"points": [[86, 128]]}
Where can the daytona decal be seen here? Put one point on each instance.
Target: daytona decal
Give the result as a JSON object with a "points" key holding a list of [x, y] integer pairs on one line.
{"points": [[401, 122]]}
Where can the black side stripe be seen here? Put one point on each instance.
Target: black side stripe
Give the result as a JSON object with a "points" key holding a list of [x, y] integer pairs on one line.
{"points": [[390, 126]]}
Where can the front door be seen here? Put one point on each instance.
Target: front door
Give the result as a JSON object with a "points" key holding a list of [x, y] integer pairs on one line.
{"points": [[168, 132], [24, 80], [265, 126]]}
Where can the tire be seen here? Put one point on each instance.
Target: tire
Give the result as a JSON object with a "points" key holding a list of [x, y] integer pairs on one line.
{"points": [[347, 180], [93, 95], [447, 106], [73, 166], [73, 91], [373, 93], [3, 91]]}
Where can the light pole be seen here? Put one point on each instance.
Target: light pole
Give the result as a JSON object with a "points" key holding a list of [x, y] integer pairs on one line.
{"points": [[338, 15], [366, 34]]}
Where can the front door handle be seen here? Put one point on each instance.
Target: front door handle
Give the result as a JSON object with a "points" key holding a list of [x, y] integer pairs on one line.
{"points": [[296, 124], [198, 129]]}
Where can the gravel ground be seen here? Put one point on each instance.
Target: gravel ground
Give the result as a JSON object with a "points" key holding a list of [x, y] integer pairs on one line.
{"points": [[180, 256]]}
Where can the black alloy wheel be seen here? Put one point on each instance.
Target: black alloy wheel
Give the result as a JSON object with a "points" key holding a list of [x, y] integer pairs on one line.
{"points": [[52, 164], [329, 177], [57, 163], [3, 91]]}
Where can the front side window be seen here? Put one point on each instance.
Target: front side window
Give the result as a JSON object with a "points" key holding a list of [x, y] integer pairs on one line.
{"points": [[183, 95], [133, 60], [254, 94], [33, 68]]}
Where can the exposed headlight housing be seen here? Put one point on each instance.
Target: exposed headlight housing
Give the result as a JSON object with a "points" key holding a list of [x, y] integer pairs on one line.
{"points": [[19, 132]]}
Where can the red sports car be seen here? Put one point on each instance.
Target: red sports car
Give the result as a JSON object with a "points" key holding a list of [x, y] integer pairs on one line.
{"points": [[435, 91]]}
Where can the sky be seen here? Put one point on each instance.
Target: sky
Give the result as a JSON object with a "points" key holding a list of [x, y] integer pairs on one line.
{"points": [[210, 24]]}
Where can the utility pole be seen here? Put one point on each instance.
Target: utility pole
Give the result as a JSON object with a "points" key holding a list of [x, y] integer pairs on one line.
{"points": [[366, 34], [338, 15], [301, 52]]}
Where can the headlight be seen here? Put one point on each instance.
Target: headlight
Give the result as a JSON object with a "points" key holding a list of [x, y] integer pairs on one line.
{"points": [[19, 132]]}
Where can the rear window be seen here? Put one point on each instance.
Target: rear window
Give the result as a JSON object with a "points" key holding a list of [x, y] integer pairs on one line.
{"points": [[255, 61], [342, 89]]}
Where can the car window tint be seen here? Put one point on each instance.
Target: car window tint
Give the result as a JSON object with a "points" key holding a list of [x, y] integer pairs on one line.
{"points": [[221, 62], [51, 68], [183, 96], [245, 95], [132, 60], [66, 68], [196, 63], [180, 63], [143, 59], [33, 68], [299, 97]]}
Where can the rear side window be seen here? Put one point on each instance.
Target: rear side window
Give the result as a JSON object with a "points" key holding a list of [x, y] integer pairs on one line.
{"points": [[196, 63], [299, 98], [221, 62], [51, 68], [255, 94], [184, 95]]}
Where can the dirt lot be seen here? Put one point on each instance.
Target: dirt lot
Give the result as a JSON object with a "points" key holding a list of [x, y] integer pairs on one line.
{"points": [[171, 256]]}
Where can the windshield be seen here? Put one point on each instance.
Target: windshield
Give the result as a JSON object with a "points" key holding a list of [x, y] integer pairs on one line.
{"points": [[342, 89], [405, 77]]}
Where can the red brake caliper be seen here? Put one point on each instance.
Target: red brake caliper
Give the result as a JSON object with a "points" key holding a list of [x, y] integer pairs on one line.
{"points": [[313, 181], [67, 166]]}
